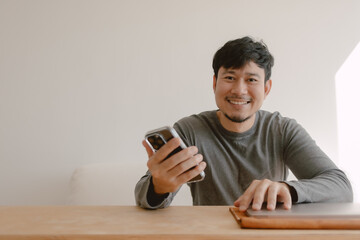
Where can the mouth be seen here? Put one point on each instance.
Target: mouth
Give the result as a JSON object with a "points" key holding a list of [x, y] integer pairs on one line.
{"points": [[238, 101]]}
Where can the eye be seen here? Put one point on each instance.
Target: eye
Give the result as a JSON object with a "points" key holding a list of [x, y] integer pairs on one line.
{"points": [[252, 80], [229, 78]]}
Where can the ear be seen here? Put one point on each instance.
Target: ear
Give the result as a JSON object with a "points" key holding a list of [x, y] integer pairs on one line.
{"points": [[214, 83], [268, 86]]}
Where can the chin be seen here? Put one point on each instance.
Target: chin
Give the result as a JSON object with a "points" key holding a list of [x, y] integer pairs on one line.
{"points": [[237, 119]]}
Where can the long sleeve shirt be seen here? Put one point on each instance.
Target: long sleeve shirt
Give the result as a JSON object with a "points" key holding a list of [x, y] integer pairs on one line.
{"points": [[268, 150]]}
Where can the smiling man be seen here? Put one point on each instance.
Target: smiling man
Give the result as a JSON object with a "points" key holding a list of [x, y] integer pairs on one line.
{"points": [[239, 94], [245, 152]]}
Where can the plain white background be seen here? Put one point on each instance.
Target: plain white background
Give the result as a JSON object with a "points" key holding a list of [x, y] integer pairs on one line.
{"points": [[82, 81]]}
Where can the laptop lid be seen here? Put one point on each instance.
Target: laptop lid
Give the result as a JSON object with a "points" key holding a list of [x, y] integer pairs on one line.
{"points": [[310, 210]]}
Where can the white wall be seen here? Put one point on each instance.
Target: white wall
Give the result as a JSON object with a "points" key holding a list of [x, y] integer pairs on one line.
{"points": [[82, 81]]}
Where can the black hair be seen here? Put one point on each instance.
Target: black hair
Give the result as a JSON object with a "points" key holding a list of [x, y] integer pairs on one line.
{"points": [[236, 53]]}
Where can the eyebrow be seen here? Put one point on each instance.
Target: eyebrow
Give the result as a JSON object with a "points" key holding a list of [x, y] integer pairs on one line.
{"points": [[246, 73]]}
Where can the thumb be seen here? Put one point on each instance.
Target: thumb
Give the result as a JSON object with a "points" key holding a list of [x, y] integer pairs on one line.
{"points": [[148, 149]]}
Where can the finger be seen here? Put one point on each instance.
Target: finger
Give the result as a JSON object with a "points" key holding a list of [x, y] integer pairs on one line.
{"points": [[166, 149], [279, 192], [182, 161], [188, 175], [244, 200], [259, 194], [272, 194], [237, 202], [186, 164], [148, 148], [286, 196]]}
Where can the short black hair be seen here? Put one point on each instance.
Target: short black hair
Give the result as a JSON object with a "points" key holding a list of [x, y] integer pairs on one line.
{"points": [[236, 53]]}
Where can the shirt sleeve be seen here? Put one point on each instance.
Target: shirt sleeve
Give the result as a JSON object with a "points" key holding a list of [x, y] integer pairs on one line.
{"points": [[319, 179], [146, 197]]}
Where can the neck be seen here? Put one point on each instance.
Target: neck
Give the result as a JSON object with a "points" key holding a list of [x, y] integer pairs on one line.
{"points": [[235, 126]]}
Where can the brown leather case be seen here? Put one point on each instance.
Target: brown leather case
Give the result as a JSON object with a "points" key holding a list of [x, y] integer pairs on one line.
{"points": [[294, 223]]}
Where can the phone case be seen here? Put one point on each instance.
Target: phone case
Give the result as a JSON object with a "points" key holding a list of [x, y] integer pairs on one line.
{"points": [[158, 137]]}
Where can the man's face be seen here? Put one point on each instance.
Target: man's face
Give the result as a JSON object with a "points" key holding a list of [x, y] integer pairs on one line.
{"points": [[239, 94]]}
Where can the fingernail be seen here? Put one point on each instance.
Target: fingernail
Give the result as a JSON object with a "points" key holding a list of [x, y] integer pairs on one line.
{"points": [[270, 206], [256, 206], [242, 208], [193, 150], [287, 206]]}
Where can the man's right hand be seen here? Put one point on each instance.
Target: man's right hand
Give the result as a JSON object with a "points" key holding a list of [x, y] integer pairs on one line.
{"points": [[169, 175]]}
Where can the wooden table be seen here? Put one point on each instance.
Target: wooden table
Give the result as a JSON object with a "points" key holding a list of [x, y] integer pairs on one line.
{"points": [[130, 222]]}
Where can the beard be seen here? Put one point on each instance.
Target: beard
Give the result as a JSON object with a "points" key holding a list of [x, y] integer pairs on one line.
{"points": [[237, 119]]}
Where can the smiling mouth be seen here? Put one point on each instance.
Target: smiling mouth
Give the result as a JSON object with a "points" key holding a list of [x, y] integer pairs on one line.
{"points": [[238, 102]]}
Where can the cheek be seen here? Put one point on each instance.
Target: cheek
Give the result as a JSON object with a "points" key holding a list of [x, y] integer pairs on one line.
{"points": [[258, 93], [218, 97], [221, 88], [219, 93]]}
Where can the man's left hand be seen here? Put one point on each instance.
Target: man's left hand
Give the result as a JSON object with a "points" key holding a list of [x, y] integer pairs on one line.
{"points": [[261, 191]]}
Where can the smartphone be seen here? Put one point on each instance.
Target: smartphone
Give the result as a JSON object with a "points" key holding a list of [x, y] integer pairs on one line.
{"points": [[158, 137]]}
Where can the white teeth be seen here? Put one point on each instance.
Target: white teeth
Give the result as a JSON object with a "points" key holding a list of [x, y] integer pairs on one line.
{"points": [[238, 103]]}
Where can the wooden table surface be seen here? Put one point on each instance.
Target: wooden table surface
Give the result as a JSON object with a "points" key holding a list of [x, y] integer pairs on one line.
{"points": [[130, 222]]}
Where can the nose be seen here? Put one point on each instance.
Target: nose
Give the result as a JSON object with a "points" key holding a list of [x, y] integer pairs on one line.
{"points": [[239, 87]]}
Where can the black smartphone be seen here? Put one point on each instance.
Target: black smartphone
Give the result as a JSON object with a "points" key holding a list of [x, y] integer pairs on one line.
{"points": [[158, 137]]}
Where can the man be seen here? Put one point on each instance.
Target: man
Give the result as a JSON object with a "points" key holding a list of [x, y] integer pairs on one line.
{"points": [[245, 152]]}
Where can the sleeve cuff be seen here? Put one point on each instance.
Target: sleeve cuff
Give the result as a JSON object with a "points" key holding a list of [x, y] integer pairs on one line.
{"points": [[153, 198]]}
